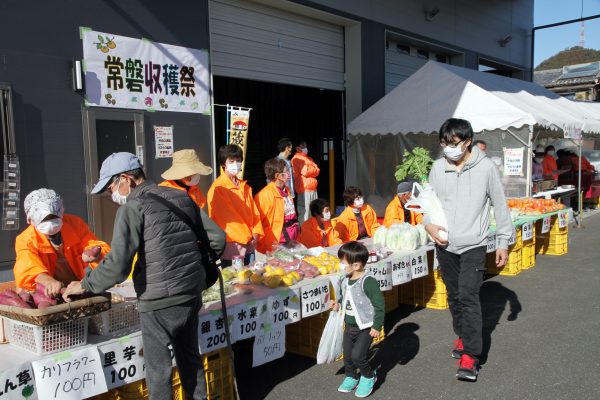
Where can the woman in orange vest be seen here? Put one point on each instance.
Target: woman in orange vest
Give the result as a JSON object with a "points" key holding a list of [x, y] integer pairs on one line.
{"points": [[317, 230], [358, 220], [185, 173], [276, 207], [231, 205], [395, 213], [306, 172], [50, 251]]}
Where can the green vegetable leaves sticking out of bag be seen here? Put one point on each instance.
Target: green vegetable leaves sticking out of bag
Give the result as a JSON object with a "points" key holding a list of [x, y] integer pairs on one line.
{"points": [[416, 164]]}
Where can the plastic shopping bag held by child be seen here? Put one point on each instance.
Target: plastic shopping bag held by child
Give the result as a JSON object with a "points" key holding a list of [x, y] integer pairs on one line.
{"points": [[330, 346], [424, 200]]}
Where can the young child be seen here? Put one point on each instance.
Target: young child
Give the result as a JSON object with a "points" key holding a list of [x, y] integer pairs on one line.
{"points": [[365, 310]]}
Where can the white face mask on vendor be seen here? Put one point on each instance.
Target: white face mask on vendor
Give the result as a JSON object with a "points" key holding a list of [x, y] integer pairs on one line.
{"points": [[50, 227], [453, 153]]}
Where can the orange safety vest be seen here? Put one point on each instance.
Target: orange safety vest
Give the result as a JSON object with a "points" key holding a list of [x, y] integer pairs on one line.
{"points": [[271, 207], [394, 214], [347, 226], [233, 209], [35, 254], [311, 234], [193, 191], [549, 166], [305, 173]]}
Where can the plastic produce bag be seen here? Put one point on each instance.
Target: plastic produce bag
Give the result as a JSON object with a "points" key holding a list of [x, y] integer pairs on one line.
{"points": [[424, 200], [330, 346]]}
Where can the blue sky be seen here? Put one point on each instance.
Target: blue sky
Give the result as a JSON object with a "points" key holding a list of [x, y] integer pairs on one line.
{"points": [[552, 40]]}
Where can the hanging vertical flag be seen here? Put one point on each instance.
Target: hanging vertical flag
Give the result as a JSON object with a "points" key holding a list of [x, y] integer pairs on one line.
{"points": [[238, 131]]}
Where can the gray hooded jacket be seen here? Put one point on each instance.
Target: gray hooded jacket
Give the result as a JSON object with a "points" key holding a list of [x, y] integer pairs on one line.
{"points": [[466, 197]]}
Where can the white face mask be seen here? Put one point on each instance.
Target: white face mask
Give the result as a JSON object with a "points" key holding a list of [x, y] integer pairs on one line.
{"points": [[304, 150], [358, 203], [538, 159], [118, 197], [551, 153], [326, 216], [50, 227], [233, 168], [195, 179], [454, 153]]}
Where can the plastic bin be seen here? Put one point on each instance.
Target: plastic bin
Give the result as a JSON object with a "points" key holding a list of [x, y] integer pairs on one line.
{"points": [[513, 265], [554, 244], [48, 339], [121, 319], [429, 292], [391, 299], [528, 254]]}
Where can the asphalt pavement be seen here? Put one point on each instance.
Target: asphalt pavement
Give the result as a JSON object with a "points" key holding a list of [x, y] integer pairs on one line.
{"points": [[541, 341]]}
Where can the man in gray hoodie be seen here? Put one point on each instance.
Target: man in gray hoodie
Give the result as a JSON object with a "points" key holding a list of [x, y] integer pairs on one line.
{"points": [[467, 184]]}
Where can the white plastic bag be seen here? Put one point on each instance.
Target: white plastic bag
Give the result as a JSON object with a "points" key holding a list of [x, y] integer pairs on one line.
{"points": [[330, 346], [424, 200]]}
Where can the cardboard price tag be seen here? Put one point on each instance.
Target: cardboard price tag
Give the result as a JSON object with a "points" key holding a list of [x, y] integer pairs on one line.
{"points": [[382, 271], [315, 297], [527, 231], [284, 308], [122, 361], [247, 319], [18, 383], [418, 265], [546, 224], [212, 330], [269, 344], [401, 271], [491, 243], [563, 217], [70, 375]]}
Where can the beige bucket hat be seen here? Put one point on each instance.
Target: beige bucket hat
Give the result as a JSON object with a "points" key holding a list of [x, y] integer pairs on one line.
{"points": [[186, 163]]}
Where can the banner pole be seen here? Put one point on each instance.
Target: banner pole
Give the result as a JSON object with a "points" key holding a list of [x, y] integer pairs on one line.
{"points": [[331, 178]]}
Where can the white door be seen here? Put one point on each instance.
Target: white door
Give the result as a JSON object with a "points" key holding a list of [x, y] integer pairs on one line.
{"points": [[258, 42]]}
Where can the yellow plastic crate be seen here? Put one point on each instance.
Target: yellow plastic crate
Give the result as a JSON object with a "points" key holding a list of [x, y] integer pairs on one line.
{"points": [[429, 292], [513, 265], [528, 255], [391, 299], [554, 244]]}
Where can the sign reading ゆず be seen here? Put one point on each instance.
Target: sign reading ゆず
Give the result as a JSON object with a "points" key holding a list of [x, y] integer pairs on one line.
{"points": [[122, 72]]}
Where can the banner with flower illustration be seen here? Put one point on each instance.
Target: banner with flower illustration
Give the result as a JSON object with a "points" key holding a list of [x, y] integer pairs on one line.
{"points": [[122, 72]]}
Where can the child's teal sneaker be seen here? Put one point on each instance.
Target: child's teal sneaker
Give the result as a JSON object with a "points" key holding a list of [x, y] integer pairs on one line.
{"points": [[365, 386], [348, 385]]}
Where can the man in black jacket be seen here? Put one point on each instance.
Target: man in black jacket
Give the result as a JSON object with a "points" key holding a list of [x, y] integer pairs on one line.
{"points": [[168, 276]]}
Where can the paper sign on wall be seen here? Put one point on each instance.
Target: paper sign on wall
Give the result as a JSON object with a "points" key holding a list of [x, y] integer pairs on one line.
{"points": [[122, 360], [71, 375], [163, 138], [513, 162]]}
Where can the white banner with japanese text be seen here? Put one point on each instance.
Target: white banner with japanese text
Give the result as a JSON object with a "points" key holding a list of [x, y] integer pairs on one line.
{"points": [[122, 72]]}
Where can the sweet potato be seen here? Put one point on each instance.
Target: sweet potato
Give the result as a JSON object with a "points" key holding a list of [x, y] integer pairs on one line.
{"points": [[39, 298], [13, 301], [11, 293], [26, 297], [92, 251], [44, 304]]}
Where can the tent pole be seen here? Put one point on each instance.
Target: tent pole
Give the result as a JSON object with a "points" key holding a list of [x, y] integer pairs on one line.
{"points": [[579, 196], [529, 161]]}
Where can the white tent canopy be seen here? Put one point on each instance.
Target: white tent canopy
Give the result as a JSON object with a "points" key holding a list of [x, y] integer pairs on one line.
{"points": [[438, 91]]}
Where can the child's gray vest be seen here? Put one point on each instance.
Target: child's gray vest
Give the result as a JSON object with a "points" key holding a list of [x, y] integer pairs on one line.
{"points": [[361, 305]]}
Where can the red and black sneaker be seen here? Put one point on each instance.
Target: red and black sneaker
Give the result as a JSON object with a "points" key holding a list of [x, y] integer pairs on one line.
{"points": [[468, 368], [458, 349]]}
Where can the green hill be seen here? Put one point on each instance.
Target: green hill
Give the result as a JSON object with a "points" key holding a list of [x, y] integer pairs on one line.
{"points": [[572, 56]]}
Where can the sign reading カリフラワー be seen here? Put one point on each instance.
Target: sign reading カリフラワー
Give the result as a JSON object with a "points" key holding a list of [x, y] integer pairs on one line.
{"points": [[122, 72]]}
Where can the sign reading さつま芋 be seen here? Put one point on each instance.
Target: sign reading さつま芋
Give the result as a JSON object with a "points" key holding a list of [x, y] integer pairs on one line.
{"points": [[122, 72]]}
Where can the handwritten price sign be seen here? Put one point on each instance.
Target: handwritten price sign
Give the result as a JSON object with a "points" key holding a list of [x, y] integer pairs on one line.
{"points": [[382, 271], [315, 297], [122, 362], [527, 231], [418, 265], [546, 223], [70, 375], [247, 319], [269, 344], [491, 243], [284, 308], [563, 217], [17, 383], [400, 270], [212, 331]]}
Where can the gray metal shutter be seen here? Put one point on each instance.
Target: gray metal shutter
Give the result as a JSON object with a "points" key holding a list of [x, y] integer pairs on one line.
{"points": [[254, 41], [398, 67]]}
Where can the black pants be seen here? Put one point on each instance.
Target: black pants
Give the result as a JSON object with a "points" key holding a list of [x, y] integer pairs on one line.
{"points": [[463, 274], [356, 346], [177, 326]]}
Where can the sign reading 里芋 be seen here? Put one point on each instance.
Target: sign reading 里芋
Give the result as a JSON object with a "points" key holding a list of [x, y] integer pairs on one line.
{"points": [[546, 224], [315, 297], [269, 344], [71, 375], [122, 361], [513, 162], [163, 138], [248, 318], [382, 271], [527, 231], [122, 72]]}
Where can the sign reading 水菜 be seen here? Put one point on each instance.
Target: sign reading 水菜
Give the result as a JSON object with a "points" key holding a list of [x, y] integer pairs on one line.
{"points": [[123, 72]]}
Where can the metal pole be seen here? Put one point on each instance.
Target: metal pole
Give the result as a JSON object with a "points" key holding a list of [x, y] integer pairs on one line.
{"points": [[529, 162], [331, 177], [579, 197]]}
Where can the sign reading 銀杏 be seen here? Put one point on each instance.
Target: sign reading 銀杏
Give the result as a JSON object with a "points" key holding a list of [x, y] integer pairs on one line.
{"points": [[122, 72]]}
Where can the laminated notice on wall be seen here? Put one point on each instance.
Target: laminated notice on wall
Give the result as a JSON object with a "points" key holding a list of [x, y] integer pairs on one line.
{"points": [[513, 162], [163, 137], [11, 193]]}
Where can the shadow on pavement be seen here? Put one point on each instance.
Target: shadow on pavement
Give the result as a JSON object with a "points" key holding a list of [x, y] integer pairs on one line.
{"points": [[494, 297]]}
